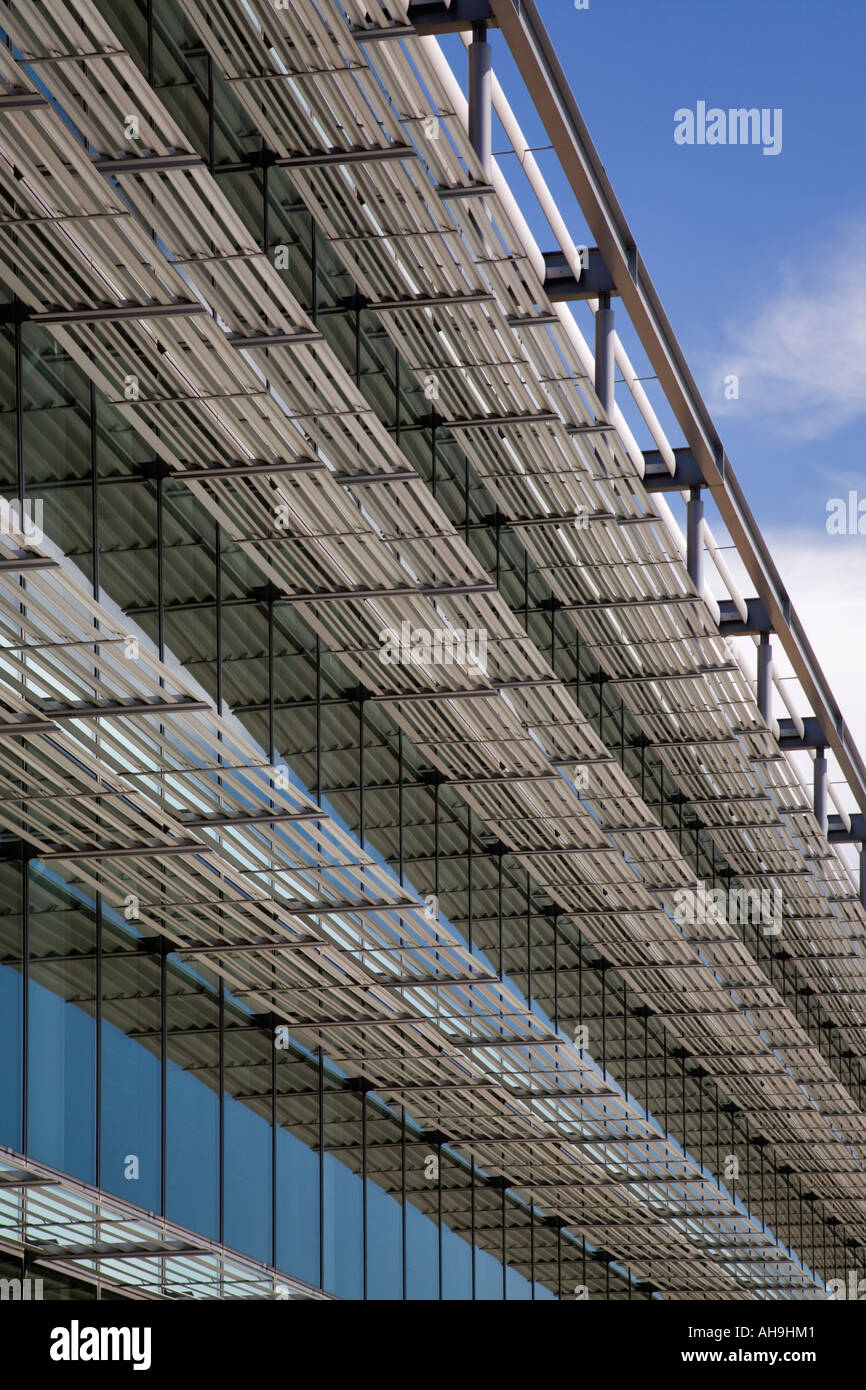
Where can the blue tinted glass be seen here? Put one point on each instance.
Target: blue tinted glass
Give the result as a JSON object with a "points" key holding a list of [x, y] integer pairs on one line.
{"points": [[248, 1134], [62, 1029], [384, 1244], [542, 1291], [342, 1229], [62, 1083], [488, 1276], [131, 1076], [130, 1119], [11, 1017], [297, 1208], [192, 1104], [516, 1285], [456, 1227], [423, 1164], [192, 1170], [298, 1167], [456, 1266], [342, 1222], [384, 1203], [422, 1255]]}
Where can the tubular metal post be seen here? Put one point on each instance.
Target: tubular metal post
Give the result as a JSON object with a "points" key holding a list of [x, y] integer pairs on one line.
{"points": [[694, 538], [765, 677], [481, 97], [604, 354], [821, 788], [863, 874]]}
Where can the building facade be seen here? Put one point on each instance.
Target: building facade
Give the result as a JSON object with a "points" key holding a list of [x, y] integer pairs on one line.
{"points": [[377, 767]]}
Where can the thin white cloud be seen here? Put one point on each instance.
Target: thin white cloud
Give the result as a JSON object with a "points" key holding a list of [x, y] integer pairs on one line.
{"points": [[801, 361], [826, 578]]}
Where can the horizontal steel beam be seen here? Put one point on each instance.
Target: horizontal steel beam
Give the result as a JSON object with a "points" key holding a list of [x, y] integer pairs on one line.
{"points": [[527, 522], [838, 835], [393, 475], [813, 735], [504, 779], [149, 163], [112, 312], [432, 301], [465, 693], [466, 190], [123, 851], [21, 101], [430, 981], [299, 337], [24, 727], [540, 417], [12, 1180], [324, 908], [27, 562], [245, 469], [378, 33], [242, 818], [560, 285], [328, 158], [238, 947], [107, 1251], [448, 16], [122, 708], [731, 623], [298, 909], [686, 475], [532, 320], [422, 591], [649, 677]]}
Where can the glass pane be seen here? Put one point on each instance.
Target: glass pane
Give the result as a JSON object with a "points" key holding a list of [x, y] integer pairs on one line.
{"points": [[344, 1195], [11, 998], [248, 1057], [62, 1027], [298, 1165], [193, 1108], [131, 1154]]}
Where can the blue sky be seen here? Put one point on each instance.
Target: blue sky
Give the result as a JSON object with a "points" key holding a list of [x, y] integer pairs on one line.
{"points": [[760, 260]]}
